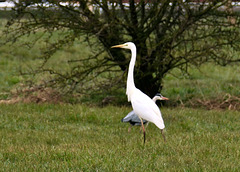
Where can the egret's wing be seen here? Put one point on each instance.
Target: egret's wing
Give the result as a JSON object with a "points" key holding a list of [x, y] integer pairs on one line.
{"points": [[146, 108]]}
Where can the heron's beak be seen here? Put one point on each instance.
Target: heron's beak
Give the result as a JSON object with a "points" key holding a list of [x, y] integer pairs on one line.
{"points": [[118, 46], [165, 98]]}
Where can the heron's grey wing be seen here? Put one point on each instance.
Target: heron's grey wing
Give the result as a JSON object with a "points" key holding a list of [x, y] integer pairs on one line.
{"points": [[133, 119], [136, 119], [128, 117]]}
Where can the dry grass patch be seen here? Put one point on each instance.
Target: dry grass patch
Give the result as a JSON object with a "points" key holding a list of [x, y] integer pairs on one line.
{"points": [[227, 101]]}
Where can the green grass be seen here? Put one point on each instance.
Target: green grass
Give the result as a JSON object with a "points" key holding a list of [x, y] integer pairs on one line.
{"points": [[83, 138], [63, 137], [207, 83]]}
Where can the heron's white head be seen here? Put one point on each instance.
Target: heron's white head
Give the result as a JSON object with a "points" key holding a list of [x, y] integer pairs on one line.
{"points": [[127, 45], [159, 96]]}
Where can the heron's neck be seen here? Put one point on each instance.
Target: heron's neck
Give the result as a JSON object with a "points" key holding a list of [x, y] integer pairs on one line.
{"points": [[154, 99], [130, 79]]}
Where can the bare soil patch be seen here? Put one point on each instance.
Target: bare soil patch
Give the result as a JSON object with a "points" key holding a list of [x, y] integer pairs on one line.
{"points": [[34, 95]]}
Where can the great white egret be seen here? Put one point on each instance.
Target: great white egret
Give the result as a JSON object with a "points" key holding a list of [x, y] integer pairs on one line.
{"points": [[133, 118], [142, 104]]}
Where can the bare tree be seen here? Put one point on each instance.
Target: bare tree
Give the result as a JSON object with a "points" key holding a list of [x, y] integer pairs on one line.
{"points": [[168, 34]]}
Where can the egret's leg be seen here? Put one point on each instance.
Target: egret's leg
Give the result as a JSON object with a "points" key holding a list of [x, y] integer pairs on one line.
{"points": [[163, 135], [145, 126], [144, 136]]}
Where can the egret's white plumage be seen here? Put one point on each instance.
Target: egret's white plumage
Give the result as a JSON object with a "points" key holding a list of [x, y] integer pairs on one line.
{"points": [[133, 119], [142, 105], [146, 109]]}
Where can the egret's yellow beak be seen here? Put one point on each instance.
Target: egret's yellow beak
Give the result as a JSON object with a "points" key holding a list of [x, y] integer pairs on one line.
{"points": [[118, 46]]}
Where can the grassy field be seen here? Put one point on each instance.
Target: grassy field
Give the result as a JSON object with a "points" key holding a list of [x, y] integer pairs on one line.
{"points": [[209, 83], [85, 137], [82, 138]]}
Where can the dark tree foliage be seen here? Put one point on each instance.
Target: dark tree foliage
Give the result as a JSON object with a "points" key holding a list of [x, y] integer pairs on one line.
{"points": [[168, 34]]}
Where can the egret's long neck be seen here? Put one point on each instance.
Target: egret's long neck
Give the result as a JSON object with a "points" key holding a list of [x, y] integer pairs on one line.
{"points": [[130, 79]]}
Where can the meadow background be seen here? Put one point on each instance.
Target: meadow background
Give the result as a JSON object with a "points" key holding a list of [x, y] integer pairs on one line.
{"points": [[201, 118]]}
